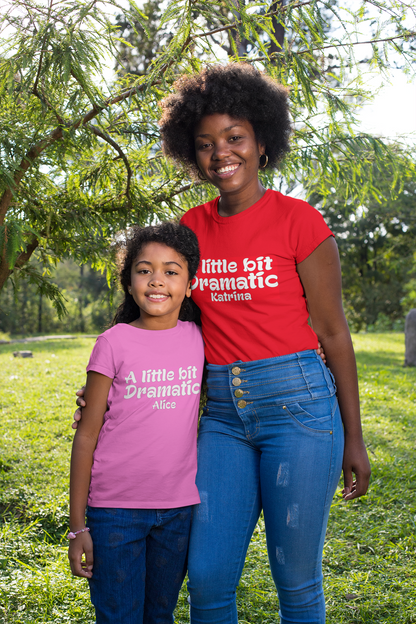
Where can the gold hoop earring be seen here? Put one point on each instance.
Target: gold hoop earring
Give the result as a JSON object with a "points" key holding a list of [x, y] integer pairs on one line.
{"points": [[265, 164], [200, 176]]}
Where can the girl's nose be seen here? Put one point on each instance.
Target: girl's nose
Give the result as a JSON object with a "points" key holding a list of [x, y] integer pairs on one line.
{"points": [[156, 279]]}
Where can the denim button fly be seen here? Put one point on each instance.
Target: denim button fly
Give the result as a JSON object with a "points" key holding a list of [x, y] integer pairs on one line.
{"points": [[236, 381]]}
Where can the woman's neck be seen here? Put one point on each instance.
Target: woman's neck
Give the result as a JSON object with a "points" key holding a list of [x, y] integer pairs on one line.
{"points": [[231, 204]]}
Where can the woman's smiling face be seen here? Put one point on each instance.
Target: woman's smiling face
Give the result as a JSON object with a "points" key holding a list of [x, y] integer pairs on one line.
{"points": [[227, 152]]}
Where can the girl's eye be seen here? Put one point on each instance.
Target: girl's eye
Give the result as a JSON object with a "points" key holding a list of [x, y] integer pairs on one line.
{"points": [[235, 138], [171, 272], [143, 271]]}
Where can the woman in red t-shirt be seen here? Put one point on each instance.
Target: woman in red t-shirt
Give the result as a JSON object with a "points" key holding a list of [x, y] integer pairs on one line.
{"points": [[272, 435]]}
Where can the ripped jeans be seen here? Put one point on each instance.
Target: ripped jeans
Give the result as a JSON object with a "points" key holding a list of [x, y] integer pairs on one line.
{"points": [[270, 438]]}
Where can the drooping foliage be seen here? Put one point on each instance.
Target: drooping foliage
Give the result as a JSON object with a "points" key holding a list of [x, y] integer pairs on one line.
{"points": [[376, 240], [80, 155]]}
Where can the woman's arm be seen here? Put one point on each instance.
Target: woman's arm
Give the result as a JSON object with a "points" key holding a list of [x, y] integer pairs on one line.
{"points": [[320, 274], [85, 441]]}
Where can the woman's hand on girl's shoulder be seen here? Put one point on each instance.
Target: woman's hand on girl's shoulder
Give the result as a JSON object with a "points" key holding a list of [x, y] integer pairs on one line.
{"points": [[79, 546], [320, 351], [355, 462]]}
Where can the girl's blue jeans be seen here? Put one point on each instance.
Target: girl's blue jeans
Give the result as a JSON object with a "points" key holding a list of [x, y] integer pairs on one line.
{"points": [[139, 563], [270, 438]]}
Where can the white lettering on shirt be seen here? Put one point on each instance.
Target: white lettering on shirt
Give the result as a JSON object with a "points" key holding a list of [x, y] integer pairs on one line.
{"points": [[186, 375], [257, 277]]}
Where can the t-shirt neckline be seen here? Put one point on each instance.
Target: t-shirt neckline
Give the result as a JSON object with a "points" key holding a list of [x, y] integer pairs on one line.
{"points": [[241, 215], [147, 332]]}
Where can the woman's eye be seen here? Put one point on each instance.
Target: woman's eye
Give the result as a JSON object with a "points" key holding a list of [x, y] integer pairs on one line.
{"points": [[143, 271], [235, 138], [204, 146]]}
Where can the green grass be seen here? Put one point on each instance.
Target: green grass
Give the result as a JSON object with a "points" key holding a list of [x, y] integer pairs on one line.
{"points": [[370, 552]]}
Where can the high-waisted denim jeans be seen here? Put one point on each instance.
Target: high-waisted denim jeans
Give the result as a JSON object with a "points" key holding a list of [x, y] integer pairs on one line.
{"points": [[270, 438]]}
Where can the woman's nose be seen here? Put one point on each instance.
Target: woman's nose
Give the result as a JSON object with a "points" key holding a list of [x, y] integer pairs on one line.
{"points": [[221, 150]]}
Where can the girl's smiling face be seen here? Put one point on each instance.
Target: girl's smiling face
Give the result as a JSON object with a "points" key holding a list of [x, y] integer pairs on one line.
{"points": [[159, 284], [227, 152]]}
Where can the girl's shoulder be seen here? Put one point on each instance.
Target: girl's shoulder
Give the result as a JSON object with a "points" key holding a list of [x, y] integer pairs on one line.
{"points": [[115, 332], [190, 328], [123, 330]]}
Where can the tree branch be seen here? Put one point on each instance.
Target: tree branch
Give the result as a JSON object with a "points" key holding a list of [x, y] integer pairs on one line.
{"points": [[53, 136], [238, 22], [22, 258], [57, 134], [332, 46], [354, 43], [187, 187], [118, 149], [48, 104]]}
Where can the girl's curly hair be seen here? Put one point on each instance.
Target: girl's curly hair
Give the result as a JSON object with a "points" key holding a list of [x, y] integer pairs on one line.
{"points": [[178, 237], [236, 89]]}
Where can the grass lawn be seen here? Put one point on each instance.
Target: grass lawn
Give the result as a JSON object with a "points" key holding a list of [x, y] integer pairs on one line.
{"points": [[369, 558]]}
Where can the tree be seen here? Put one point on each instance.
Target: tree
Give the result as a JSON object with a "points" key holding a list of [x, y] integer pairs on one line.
{"points": [[87, 298], [140, 46], [80, 155], [377, 247]]}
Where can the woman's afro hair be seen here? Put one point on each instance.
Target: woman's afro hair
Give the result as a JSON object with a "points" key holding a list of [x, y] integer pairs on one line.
{"points": [[178, 237], [236, 89]]}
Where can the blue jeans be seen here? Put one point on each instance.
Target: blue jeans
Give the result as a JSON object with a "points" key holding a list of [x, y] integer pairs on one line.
{"points": [[139, 563], [270, 438]]}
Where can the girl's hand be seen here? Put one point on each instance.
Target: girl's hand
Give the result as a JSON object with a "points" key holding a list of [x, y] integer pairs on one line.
{"points": [[81, 403], [355, 461], [79, 546]]}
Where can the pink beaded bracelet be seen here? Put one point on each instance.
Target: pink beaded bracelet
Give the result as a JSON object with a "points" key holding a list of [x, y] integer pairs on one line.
{"points": [[72, 535]]}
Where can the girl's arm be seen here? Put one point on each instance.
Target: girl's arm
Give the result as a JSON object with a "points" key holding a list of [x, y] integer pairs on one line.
{"points": [[85, 441], [320, 274]]}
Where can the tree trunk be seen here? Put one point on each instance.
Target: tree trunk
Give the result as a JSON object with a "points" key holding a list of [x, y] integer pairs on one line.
{"points": [[40, 314], [278, 28], [23, 310], [410, 338], [241, 44], [81, 300]]}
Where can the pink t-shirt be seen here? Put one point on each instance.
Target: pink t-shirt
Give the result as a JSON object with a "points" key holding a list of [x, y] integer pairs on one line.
{"points": [[146, 451]]}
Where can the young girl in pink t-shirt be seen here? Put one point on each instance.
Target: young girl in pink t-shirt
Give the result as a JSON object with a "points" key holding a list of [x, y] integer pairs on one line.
{"points": [[133, 460]]}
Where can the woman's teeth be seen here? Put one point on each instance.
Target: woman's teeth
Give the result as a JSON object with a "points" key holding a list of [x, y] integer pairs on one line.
{"points": [[227, 168], [157, 296]]}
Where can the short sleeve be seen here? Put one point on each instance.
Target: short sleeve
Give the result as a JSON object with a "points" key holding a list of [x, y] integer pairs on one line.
{"points": [[102, 359], [308, 232]]}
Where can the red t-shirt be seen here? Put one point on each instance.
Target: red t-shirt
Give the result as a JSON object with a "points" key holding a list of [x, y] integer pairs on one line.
{"points": [[252, 301]]}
